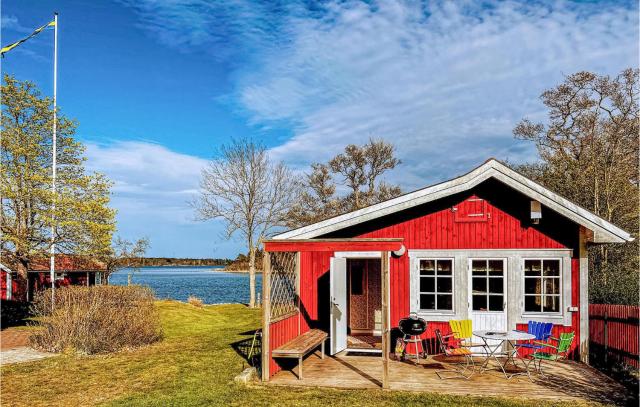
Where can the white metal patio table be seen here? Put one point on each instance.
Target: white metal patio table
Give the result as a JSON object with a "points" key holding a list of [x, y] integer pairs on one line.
{"points": [[495, 348]]}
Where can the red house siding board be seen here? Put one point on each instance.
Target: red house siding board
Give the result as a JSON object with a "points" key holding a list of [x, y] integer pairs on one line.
{"points": [[281, 332], [555, 332], [439, 230], [430, 343], [313, 266], [3, 285]]}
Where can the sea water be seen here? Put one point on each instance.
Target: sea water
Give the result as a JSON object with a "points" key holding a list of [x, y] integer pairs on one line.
{"points": [[208, 283]]}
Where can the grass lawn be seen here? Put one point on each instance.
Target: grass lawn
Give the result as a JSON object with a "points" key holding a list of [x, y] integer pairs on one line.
{"points": [[194, 365]]}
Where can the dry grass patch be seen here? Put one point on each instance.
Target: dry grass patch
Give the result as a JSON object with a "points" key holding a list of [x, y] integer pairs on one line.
{"points": [[98, 319], [195, 301]]}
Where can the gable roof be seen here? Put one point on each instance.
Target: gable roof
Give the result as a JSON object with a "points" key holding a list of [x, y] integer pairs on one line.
{"points": [[602, 231]]}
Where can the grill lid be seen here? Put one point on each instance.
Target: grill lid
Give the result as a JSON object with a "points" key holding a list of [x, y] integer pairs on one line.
{"points": [[412, 325]]}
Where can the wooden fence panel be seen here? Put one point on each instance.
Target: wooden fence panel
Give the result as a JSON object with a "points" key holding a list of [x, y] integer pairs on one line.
{"points": [[614, 334]]}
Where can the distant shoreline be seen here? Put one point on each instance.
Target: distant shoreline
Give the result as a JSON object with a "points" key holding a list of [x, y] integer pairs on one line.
{"points": [[222, 270], [178, 262]]}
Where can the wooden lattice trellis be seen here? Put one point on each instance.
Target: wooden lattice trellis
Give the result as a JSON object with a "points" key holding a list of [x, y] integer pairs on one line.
{"points": [[283, 284]]}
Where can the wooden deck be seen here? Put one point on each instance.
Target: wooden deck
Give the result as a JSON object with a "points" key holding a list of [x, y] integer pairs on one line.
{"points": [[565, 381]]}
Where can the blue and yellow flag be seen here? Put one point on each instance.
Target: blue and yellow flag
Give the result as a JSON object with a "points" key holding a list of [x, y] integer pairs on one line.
{"points": [[33, 34]]}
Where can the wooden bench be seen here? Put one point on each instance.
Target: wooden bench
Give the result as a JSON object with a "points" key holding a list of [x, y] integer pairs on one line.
{"points": [[300, 346]]}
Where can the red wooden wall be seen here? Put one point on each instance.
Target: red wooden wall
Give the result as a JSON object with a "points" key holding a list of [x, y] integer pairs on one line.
{"points": [[39, 282], [18, 288], [281, 332], [3, 285], [313, 265], [443, 228]]}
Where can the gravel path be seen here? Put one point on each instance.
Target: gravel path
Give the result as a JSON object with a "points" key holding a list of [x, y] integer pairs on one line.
{"points": [[14, 349]]}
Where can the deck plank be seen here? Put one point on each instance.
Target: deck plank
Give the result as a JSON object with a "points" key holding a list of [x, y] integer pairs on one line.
{"points": [[565, 381]]}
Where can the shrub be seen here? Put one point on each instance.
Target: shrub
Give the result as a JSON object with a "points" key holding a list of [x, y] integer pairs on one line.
{"points": [[195, 301], [98, 319]]}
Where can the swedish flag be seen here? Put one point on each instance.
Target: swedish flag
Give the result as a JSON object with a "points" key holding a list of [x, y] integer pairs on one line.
{"points": [[33, 34]]}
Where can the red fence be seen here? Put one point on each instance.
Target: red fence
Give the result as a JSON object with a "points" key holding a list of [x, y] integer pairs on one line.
{"points": [[614, 333]]}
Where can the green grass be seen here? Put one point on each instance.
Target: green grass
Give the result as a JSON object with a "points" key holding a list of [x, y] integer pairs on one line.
{"points": [[193, 365]]}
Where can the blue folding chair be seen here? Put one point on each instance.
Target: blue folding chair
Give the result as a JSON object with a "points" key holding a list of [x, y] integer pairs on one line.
{"points": [[542, 333]]}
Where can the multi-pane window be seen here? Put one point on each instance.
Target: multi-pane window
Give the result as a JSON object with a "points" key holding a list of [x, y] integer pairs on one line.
{"points": [[487, 285], [542, 278], [436, 285]]}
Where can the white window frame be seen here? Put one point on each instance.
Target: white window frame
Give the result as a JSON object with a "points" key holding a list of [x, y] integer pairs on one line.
{"points": [[505, 288], [415, 281], [560, 277]]}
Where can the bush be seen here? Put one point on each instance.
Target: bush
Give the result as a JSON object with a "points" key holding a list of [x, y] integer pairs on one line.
{"points": [[97, 319], [195, 301]]}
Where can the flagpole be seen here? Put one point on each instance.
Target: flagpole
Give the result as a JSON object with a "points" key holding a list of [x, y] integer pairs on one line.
{"points": [[53, 178]]}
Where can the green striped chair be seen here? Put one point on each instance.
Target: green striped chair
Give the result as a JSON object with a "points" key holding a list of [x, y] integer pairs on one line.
{"points": [[554, 354]]}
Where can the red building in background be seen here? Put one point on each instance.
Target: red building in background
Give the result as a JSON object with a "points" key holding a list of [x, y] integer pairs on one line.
{"points": [[70, 270]]}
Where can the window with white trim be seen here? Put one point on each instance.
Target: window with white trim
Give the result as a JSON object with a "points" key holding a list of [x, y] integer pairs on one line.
{"points": [[487, 285], [542, 285], [435, 289]]}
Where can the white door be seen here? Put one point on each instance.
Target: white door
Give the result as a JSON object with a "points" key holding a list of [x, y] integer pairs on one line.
{"points": [[488, 295], [338, 289]]}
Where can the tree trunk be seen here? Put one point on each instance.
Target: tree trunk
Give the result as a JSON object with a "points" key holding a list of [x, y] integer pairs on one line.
{"points": [[105, 277], [252, 275], [22, 270]]}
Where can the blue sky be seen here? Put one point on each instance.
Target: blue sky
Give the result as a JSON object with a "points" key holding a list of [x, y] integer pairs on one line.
{"points": [[156, 85]]}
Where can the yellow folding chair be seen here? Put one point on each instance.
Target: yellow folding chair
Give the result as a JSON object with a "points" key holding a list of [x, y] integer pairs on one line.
{"points": [[463, 332]]}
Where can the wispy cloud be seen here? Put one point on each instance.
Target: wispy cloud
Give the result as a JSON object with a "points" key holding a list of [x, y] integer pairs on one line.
{"points": [[444, 81], [152, 187], [10, 22], [229, 31]]}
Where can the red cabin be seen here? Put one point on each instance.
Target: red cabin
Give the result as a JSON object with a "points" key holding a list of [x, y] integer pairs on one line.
{"points": [[491, 246], [70, 270]]}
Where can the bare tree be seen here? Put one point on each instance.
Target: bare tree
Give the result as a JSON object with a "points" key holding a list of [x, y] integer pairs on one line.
{"points": [[360, 169], [251, 194], [351, 165], [318, 199], [125, 254], [589, 151]]}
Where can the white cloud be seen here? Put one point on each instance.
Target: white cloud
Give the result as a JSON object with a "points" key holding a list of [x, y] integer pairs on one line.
{"points": [[141, 168], [152, 188], [446, 84]]}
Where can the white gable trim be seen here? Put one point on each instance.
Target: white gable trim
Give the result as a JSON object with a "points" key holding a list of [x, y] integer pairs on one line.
{"points": [[603, 231]]}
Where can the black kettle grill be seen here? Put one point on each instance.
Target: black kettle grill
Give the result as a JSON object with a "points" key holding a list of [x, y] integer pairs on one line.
{"points": [[412, 327]]}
